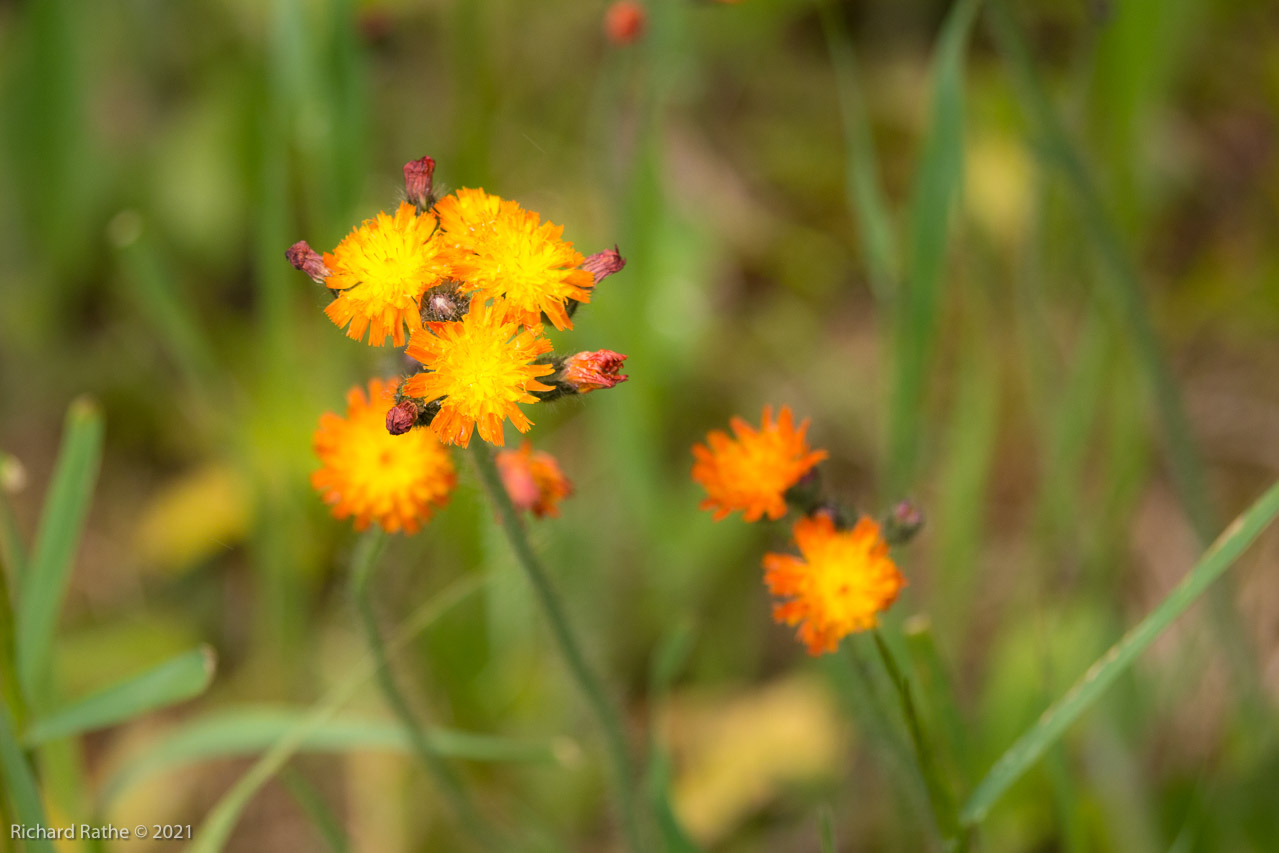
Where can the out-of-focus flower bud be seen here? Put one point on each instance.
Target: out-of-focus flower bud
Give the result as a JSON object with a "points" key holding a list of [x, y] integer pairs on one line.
{"points": [[624, 22], [902, 523], [533, 480]]}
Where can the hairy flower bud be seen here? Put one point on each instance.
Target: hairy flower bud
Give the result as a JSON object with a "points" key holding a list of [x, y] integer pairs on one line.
{"points": [[418, 189], [603, 264], [591, 371], [444, 303], [902, 523], [304, 258]]}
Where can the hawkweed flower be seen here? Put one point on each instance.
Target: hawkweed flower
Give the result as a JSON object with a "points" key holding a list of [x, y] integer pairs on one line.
{"points": [[533, 480], [838, 586], [513, 258], [396, 482], [482, 366], [753, 470], [380, 271]]}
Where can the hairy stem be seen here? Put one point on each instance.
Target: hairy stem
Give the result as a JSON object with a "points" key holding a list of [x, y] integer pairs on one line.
{"points": [[365, 560], [592, 688]]}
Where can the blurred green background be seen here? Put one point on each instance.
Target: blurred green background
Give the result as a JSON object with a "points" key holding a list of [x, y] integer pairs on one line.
{"points": [[1024, 273]]}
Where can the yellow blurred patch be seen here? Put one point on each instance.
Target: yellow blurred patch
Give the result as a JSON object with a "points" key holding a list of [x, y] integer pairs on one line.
{"points": [[734, 753], [199, 514], [997, 189]]}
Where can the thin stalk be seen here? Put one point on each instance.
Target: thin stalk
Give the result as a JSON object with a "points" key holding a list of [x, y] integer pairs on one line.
{"points": [[939, 797], [365, 560], [592, 688]]}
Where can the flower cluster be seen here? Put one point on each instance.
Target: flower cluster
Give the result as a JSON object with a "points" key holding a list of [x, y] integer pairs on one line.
{"points": [[844, 576], [465, 283]]}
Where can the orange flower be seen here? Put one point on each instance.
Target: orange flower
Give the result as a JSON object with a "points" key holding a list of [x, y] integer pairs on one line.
{"points": [[395, 481], [753, 471], [514, 258], [380, 271], [482, 366], [533, 480], [843, 580]]}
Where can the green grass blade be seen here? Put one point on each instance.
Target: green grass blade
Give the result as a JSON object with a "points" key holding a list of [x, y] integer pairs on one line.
{"points": [[1056, 147], [19, 784], [61, 523], [176, 680], [13, 553], [1054, 722], [247, 731], [861, 171], [212, 835], [941, 174], [317, 811], [826, 830]]}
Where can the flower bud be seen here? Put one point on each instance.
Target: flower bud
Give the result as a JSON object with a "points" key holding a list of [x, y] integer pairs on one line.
{"points": [[902, 523], [589, 371], [401, 417], [625, 22], [444, 303], [304, 258], [605, 263], [418, 188], [533, 480]]}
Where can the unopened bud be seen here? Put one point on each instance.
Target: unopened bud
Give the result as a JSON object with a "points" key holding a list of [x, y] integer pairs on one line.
{"points": [[533, 480], [591, 371], [605, 263], [444, 303], [624, 22], [418, 189], [902, 523], [401, 417], [304, 258]]}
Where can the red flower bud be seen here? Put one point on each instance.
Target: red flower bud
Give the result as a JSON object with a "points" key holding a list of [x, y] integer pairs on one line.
{"points": [[624, 22], [304, 258], [533, 480], [418, 188], [605, 263], [590, 371], [401, 417]]}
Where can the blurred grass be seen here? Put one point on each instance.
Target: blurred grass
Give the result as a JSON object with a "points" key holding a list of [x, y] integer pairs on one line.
{"points": [[1013, 261]]}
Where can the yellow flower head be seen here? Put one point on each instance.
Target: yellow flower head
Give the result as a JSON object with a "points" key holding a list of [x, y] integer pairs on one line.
{"points": [[396, 481], [380, 271], [482, 366], [533, 480], [515, 259], [753, 471], [842, 581]]}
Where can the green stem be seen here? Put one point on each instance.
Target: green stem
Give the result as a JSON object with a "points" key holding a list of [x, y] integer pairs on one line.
{"points": [[939, 797], [364, 561], [592, 688]]}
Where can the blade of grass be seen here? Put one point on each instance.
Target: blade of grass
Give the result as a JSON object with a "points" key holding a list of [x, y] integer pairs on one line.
{"points": [[49, 569], [826, 830], [20, 784], [247, 731], [668, 662], [13, 553], [1049, 728], [1057, 149], [176, 680], [865, 198], [317, 811], [213, 833], [936, 189]]}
